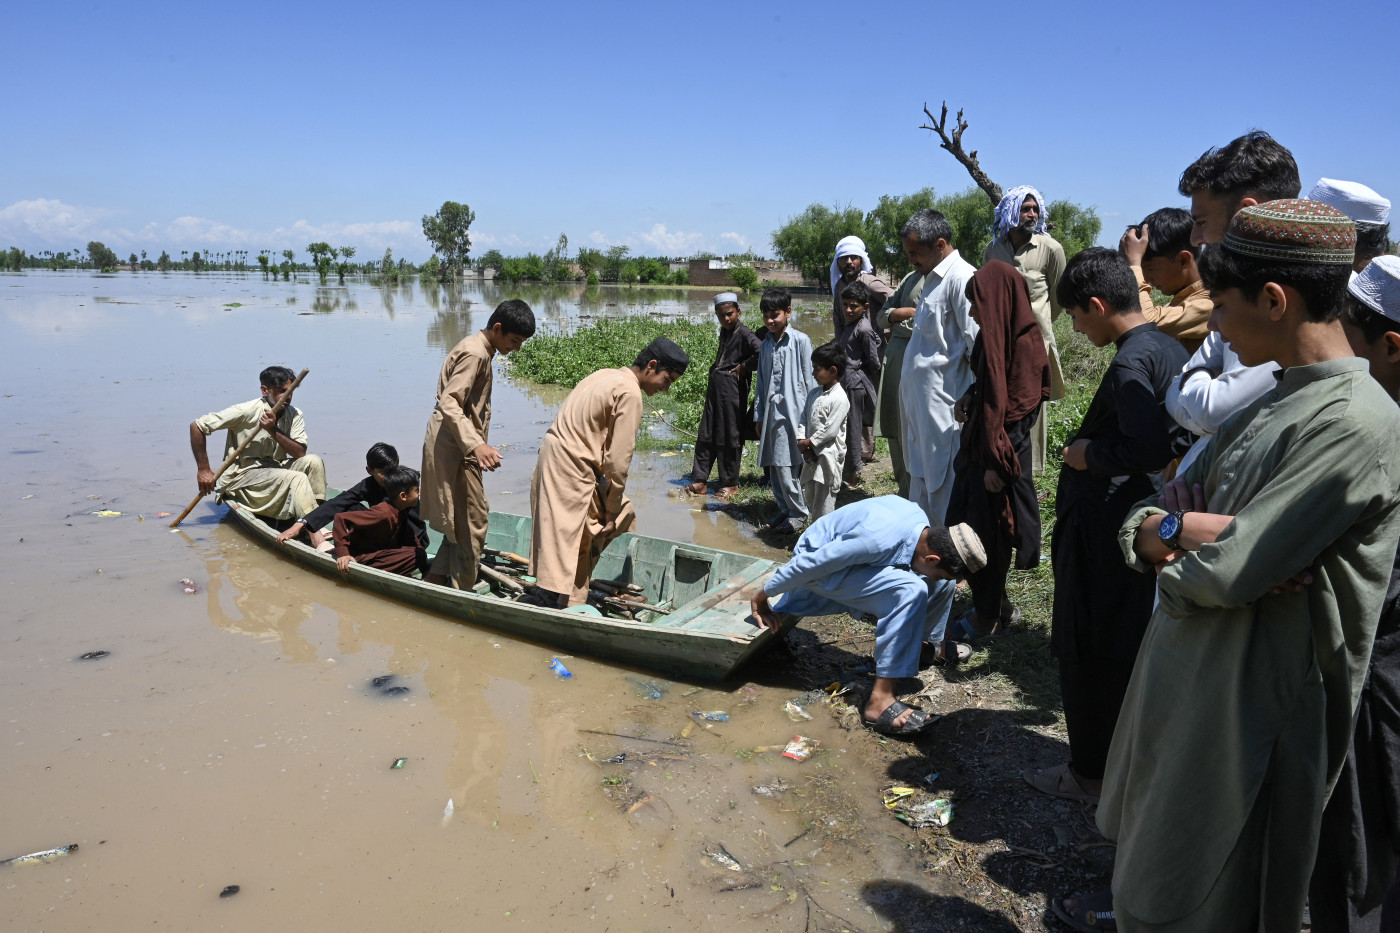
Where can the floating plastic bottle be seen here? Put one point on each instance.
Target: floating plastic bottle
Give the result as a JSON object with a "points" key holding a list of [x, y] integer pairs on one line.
{"points": [[558, 667]]}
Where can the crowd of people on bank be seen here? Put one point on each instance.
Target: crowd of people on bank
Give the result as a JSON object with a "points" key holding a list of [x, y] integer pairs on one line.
{"points": [[1226, 612]]}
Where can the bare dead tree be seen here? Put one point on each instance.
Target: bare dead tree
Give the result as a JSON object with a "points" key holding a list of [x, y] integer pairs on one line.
{"points": [[954, 145]]}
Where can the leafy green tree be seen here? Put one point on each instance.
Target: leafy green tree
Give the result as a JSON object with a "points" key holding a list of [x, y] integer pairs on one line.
{"points": [[263, 260], [652, 270], [681, 276], [492, 259], [347, 253], [101, 257], [196, 261], [628, 273], [163, 263], [288, 263], [322, 256], [431, 269], [447, 232], [14, 259], [133, 262], [971, 214], [808, 240], [745, 277], [611, 270], [1076, 227], [590, 261], [882, 239]]}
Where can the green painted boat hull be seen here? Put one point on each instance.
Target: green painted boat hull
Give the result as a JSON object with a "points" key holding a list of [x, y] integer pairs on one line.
{"points": [[708, 635]]}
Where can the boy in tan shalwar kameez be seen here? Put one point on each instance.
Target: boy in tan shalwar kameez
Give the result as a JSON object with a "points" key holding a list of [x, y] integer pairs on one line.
{"points": [[576, 491], [455, 449]]}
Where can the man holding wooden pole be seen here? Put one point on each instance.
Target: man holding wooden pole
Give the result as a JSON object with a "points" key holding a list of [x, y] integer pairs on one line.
{"points": [[273, 475]]}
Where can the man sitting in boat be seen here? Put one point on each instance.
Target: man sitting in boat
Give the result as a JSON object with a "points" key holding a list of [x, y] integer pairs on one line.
{"points": [[367, 492], [274, 476], [576, 491], [869, 556], [380, 536]]}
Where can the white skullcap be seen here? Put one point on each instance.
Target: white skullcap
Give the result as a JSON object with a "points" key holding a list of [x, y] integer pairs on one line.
{"points": [[1378, 286], [1352, 198], [726, 298]]}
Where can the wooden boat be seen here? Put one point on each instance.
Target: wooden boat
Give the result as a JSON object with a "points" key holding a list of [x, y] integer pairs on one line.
{"points": [[707, 634]]}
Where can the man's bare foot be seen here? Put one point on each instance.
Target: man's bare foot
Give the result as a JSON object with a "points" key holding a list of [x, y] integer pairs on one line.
{"points": [[697, 489], [727, 492]]}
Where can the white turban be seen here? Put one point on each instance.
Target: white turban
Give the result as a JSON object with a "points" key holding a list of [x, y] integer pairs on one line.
{"points": [[1008, 212], [1378, 286], [850, 246], [1352, 198]]}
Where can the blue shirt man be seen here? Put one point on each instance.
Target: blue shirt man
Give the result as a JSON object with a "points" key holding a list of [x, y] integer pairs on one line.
{"points": [[878, 556]]}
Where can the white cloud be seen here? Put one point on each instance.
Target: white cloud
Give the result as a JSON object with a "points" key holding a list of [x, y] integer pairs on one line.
{"points": [[48, 220], [738, 239], [660, 240]]}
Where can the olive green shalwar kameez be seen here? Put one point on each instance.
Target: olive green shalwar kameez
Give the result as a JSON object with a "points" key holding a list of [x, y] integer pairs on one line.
{"points": [[264, 478], [1239, 713]]}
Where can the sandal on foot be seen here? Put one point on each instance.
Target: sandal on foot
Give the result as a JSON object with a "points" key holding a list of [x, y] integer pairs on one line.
{"points": [[951, 652], [918, 720], [1092, 914], [1060, 781]]}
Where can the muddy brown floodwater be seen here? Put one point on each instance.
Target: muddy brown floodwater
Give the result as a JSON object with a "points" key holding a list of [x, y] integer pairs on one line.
{"points": [[233, 737]]}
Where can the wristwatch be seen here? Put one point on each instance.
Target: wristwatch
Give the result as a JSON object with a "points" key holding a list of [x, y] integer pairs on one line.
{"points": [[1170, 529]]}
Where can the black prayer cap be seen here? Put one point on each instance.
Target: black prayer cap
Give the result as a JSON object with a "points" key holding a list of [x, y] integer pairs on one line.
{"points": [[668, 356]]}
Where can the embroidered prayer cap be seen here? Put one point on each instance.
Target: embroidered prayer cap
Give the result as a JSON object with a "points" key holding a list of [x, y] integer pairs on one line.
{"points": [[1008, 212], [668, 356], [968, 546], [850, 246], [726, 298], [1378, 286], [1354, 199], [1293, 230]]}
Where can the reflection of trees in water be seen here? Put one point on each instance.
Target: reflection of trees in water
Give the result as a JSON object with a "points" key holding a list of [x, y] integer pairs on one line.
{"points": [[448, 328], [330, 299], [391, 292]]}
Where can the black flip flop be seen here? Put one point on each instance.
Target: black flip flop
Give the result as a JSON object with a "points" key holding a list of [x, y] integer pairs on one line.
{"points": [[1094, 914], [884, 724]]}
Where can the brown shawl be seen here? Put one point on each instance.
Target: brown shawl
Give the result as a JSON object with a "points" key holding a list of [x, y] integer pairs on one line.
{"points": [[1009, 364]]}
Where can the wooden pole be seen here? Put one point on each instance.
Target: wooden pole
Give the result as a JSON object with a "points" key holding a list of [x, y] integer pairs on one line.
{"points": [[228, 461]]}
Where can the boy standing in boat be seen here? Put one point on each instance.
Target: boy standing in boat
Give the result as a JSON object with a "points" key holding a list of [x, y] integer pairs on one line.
{"points": [[456, 450], [576, 491], [379, 536], [274, 477], [721, 434]]}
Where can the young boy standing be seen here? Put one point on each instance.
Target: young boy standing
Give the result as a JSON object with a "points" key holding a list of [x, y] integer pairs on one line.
{"points": [[369, 491], [821, 436], [1162, 256], [721, 434], [456, 448], [1272, 553], [784, 379], [1114, 459], [379, 536], [862, 374]]}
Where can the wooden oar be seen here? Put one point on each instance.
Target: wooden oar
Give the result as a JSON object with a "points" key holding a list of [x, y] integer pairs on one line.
{"points": [[276, 410], [500, 579]]}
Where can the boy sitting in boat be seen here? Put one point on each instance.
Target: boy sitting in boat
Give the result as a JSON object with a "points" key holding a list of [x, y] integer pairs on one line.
{"points": [[367, 492], [274, 477], [380, 536]]}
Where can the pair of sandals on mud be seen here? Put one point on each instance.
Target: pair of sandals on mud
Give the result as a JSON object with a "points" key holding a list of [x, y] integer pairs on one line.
{"points": [[955, 649]]}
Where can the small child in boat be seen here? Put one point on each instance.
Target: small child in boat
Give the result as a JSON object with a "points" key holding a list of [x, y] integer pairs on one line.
{"points": [[380, 536], [367, 492]]}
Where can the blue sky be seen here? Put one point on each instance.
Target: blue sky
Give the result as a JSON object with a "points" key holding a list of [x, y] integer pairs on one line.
{"points": [[670, 128]]}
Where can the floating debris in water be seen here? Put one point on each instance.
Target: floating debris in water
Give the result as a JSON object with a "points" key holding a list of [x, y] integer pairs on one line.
{"points": [[801, 748], [230, 891], [190, 586], [399, 763], [106, 513], [772, 789], [748, 693], [795, 712], [558, 667], [447, 812], [387, 685], [163, 514], [649, 689], [937, 812], [718, 715], [48, 855], [93, 655], [721, 857]]}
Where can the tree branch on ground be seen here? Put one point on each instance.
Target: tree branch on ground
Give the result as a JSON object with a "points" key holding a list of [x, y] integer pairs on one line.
{"points": [[954, 145]]}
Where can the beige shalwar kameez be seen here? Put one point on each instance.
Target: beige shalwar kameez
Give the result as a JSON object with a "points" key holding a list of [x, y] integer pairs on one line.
{"points": [[264, 479], [454, 498], [1041, 260], [579, 481]]}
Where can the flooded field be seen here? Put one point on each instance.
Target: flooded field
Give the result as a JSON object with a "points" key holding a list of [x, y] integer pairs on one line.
{"points": [[234, 736]]}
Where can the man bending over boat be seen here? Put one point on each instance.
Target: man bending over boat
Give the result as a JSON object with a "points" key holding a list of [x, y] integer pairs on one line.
{"points": [[576, 491], [274, 477], [380, 536], [870, 556]]}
